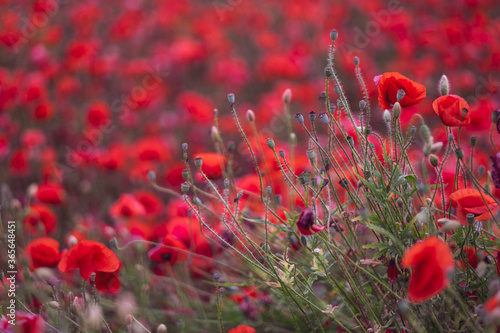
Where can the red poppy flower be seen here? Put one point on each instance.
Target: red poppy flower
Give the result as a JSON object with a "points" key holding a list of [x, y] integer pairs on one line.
{"points": [[151, 149], [474, 202], [51, 193], [99, 114], [199, 108], [25, 323], [90, 257], [19, 164], [212, 164], [390, 83], [127, 206], [40, 213], [306, 225], [151, 202], [453, 110], [471, 257], [169, 254], [242, 329], [431, 259], [492, 304], [108, 282], [43, 252]]}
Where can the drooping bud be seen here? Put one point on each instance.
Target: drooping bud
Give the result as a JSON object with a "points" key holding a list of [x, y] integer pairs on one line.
{"points": [[350, 141], [250, 116], [299, 117], [444, 85], [230, 98], [425, 133], [495, 116], [344, 183], [270, 143]]}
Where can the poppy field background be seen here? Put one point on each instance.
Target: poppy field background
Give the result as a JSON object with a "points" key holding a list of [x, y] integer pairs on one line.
{"points": [[250, 166]]}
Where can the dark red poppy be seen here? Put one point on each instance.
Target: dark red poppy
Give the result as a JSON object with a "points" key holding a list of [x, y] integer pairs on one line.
{"points": [[51, 193], [150, 201], [453, 110], [393, 271], [305, 223], [481, 205], [151, 149], [40, 216], [430, 259], [19, 164], [168, 253], [99, 114], [390, 83], [127, 206], [199, 108], [108, 282], [43, 252], [242, 329], [89, 257]]}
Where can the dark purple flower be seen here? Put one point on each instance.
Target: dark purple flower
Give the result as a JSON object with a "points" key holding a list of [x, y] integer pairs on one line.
{"points": [[306, 225], [495, 169]]}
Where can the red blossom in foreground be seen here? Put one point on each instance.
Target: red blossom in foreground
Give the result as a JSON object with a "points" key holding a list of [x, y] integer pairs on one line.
{"points": [[430, 259], [242, 329], [43, 252], [24, 323], [90, 257], [127, 206], [453, 110], [390, 83], [471, 201], [168, 252], [305, 223]]}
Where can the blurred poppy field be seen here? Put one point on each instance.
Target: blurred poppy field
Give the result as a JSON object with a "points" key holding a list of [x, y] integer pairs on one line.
{"points": [[249, 166]]}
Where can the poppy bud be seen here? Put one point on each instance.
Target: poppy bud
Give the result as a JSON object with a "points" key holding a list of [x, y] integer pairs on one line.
{"points": [[331, 108], [322, 96], [299, 118], [270, 143], [434, 160], [197, 201], [387, 116], [473, 140], [185, 174], [239, 194], [495, 116], [282, 153], [312, 116], [460, 153], [362, 105], [269, 190], [336, 88], [216, 277], [328, 71], [425, 133], [287, 96], [185, 187], [214, 133], [161, 329], [356, 61], [230, 146], [368, 129], [184, 147], [198, 162], [54, 305], [444, 85], [250, 116], [400, 95], [324, 118], [230, 98], [396, 110], [311, 155], [413, 130], [403, 306], [334, 35], [344, 183], [152, 176]]}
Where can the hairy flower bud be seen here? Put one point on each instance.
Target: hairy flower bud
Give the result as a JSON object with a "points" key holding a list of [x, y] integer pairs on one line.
{"points": [[444, 85], [270, 143], [387, 116], [334, 35], [425, 133], [328, 71], [230, 98], [396, 110], [300, 118], [362, 104], [250, 116], [282, 153], [198, 162], [356, 61], [287, 96], [433, 159]]}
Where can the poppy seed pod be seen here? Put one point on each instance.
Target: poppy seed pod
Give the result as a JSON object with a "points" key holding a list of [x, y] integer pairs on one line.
{"points": [[336, 89], [362, 105], [198, 162], [300, 118], [185, 174], [334, 35], [444, 85], [270, 143], [230, 98], [459, 153], [400, 95], [312, 116], [470, 218], [311, 155], [328, 71], [269, 190], [356, 61], [231, 146], [282, 153], [184, 187], [473, 140], [324, 118], [184, 147]]}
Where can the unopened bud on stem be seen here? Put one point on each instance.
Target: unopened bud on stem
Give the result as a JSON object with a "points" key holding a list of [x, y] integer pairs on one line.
{"points": [[444, 85]]}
